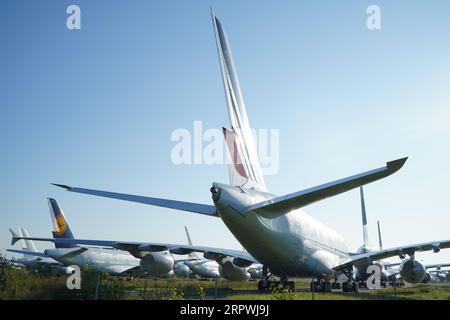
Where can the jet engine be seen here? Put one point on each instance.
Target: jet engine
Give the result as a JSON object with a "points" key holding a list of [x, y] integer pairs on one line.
{"points": [[412, 271], [255, 273], [232, 272], [181, 270], [157, 263], [427, 278]]}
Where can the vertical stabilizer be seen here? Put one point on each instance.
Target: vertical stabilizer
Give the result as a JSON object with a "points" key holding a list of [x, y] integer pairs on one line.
{"points": [[364, 218], [29, 244], [244, 166], [380, 242], [192, 255], [61, 229]]}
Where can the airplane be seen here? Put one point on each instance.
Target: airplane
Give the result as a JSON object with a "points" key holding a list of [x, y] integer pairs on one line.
{"points": [[388, 270], [273, 229], [437, 275], [104, 259], [208, 269], [440, 275], [35, 259], [360, 271], [211, 269]]}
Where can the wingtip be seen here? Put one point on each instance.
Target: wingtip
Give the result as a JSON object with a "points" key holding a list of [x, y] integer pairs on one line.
{"points": [[396, 164], [68, 188]]}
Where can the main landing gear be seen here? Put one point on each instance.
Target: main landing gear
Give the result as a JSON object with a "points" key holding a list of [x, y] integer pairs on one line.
{"points": [[322, 285], [268, 283]]}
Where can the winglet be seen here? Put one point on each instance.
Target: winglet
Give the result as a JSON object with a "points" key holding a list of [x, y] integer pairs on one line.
{"points": [[396, 164], [68, 188], [15, 237]]}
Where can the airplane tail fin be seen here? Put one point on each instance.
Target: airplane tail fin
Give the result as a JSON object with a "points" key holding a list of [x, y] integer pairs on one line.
{"points": [[14, 237], [61, 229], [380, 242], [364, 218], [29, 244], [192, 255], [244, 168]]}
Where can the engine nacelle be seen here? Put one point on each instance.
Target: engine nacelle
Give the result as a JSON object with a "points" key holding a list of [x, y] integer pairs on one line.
{"points": [[255, 273], [427, 278], [412, 271], [181, 270], [232, 272], [157, 263]]}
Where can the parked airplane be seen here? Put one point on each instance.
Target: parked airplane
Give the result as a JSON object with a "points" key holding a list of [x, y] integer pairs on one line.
{"points": [[360, 271], [204, 268], [33, 258], [226, 269], [388, 270], [105, 259], [273, 229], [436, 275]]}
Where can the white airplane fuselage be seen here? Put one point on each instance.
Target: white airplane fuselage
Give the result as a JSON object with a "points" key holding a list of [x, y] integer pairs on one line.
{"points": [[309, 248], [106, 260]]}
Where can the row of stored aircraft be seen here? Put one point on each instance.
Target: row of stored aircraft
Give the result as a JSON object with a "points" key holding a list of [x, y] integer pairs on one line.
{"points": [[273, 230], [120, 262]]}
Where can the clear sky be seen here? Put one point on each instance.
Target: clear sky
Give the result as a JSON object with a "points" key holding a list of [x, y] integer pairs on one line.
{"points": [[96, 107]]}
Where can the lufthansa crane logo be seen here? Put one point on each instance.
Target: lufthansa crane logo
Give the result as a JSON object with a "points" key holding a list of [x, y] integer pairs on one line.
{"points": [[62, 224]]}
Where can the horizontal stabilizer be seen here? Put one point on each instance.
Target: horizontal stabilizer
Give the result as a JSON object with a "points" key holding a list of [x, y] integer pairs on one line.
{"points": [[28, 253], [166, 203], [286, 203]]}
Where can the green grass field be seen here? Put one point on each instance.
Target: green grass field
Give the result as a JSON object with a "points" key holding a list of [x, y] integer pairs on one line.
{"points": [[17, 284], [151, 289]]}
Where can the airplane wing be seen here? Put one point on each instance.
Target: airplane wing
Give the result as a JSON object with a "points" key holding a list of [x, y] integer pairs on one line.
{"points": [[387, 253], [138, 249], [437, 265], [118, 269], [205, 209], [286, 203], [29, 253]]}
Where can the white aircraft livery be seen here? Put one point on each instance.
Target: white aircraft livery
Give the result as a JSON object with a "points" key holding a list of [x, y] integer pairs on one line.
{"points": [[273, 229]]}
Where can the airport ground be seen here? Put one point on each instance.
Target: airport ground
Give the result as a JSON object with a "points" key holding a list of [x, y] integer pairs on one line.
{"points": [[27, 284]]}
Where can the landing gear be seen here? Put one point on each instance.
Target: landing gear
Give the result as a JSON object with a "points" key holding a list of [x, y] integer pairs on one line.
{"points": [[350, 286], [268, 283], [286, 284], [321, 286]]}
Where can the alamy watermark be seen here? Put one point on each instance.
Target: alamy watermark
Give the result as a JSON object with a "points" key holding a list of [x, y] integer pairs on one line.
{"points": [[73, 21], [208, 146], [74, 280], [373, 21]]}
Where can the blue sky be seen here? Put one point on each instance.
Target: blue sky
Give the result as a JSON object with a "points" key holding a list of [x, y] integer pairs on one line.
{"points": [[96, 107]]}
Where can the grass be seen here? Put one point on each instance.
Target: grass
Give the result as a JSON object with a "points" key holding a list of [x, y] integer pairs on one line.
{"points": [[435, 291], [25, 284]]}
